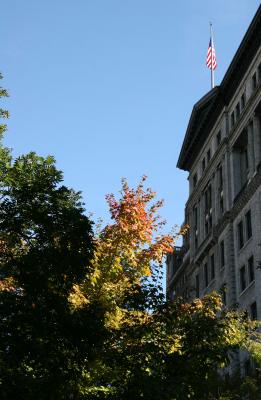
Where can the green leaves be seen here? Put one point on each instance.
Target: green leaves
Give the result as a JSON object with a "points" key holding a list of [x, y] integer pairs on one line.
{"points": [[3, 113], [45, 249]]}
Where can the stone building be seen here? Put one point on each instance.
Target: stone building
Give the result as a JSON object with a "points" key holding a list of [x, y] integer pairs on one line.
{"points": [[222, 153]]}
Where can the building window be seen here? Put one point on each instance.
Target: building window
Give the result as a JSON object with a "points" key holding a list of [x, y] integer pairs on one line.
{"points": [[259, 73], [220, 189], [208, 155], [222, 253], [247, 368], [244, 161], [243, 101], [232, 119], [240, 155], [223, 292], [195, 221], [218, 138], [208, 209], [248, 225], [197, 285], [251, 271], [240, 235], [195, 216], [212, 267], [254, 81], [195, 180], [186, 236], [206, 227], [196, 241], [237, 111], [220, 177], [253, 311], [242, 278], [221, 203], [185, 294], [206, 274], [203, 164], [170, 269]]}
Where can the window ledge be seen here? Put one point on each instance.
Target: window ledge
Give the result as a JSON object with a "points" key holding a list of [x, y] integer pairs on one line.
{"points": [[248, 287], [240, 251], [210, 284]]}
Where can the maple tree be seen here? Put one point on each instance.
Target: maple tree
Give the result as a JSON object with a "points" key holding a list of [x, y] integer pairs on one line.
{"points": [[126, 249], [154, 348]]}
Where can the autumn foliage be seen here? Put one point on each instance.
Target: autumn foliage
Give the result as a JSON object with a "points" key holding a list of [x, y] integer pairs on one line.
{"points": [[83, 315], [127, 249], [129, 244]]}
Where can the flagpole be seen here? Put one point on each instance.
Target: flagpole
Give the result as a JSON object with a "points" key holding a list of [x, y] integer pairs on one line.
{"points": [[212, 70]]}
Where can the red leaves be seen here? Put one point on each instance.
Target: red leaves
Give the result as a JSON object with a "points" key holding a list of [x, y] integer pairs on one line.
{"points": [[133, 214], [131, 239]]}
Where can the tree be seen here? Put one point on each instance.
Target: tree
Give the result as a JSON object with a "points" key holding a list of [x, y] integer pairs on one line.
{"points": [[155, 349], [46, 247], [126, 249], [3, 113]]}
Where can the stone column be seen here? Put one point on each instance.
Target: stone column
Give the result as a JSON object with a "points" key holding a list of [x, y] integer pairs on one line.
{"points": [[257, 139]]}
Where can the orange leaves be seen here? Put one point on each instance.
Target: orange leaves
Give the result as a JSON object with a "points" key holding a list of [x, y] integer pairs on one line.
{"points": [[135, 219], [129, 245], [7, 285], [125, 252], [126, 249]]}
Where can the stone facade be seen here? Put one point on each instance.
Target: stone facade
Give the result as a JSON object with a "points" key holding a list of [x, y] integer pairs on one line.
{"points": [[222, 154]]}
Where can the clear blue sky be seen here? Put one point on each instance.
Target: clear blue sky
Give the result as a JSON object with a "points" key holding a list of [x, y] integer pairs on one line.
{"points": [[107, 86]]}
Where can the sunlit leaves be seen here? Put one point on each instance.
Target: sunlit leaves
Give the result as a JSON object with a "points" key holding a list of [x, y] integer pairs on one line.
{"points": [[3, 113], [126, 249]]}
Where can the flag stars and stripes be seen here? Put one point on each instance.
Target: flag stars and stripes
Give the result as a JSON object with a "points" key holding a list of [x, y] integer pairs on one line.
{"points": [[211, 61]]}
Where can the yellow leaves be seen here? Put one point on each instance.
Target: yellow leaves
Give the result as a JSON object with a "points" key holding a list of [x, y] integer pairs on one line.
{"points": [[7, 285], [184, 229], [234, 334], [254, 348], [212, 303], [114, 318], [174, 343], [77, 297], [94, 277], [126, 249]]}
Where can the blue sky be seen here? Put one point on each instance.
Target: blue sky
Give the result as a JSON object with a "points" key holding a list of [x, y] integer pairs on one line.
{"points": [[107, 86]]}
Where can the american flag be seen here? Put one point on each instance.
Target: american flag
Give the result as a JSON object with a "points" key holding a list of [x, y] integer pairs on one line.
{"points": [[211, 61]]}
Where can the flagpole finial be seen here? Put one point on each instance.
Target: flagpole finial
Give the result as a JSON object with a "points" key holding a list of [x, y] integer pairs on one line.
{"points": [[210, 27]]}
